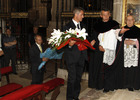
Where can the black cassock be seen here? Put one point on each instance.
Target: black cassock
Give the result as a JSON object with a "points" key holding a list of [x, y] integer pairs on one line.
{"points": [[131, 74], [98, 72]]}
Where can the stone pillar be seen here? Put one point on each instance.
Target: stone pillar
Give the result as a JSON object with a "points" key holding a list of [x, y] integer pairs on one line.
{"points": [[42, 9], [52, 23], [117, 10]]}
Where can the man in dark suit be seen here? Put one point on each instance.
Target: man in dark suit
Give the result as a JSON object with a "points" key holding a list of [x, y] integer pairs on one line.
{"points": [[74, 58], [35, 50]]}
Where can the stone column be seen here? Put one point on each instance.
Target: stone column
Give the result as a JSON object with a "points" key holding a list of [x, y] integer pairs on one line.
{"points": [[42, 9], [117, 10], [52, 23]]}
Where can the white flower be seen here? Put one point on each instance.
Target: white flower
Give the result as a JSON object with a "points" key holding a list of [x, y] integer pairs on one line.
{"points": [[55, 35], [81, 33], [72, 31], [50, 40], [67, 36], [58, 43]]}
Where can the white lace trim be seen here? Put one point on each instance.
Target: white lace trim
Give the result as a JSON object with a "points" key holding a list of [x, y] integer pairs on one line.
{"points": [[108, 41], [109, 56], [130, 56]]}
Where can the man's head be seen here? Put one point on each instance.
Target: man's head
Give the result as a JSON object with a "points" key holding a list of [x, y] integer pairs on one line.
{"points": [[8, 32], [38, 39], [105, 15], [35, 30], [130, 21], [78, 14]]}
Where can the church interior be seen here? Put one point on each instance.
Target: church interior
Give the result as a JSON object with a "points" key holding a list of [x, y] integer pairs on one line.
{"points": [[20, 16]]}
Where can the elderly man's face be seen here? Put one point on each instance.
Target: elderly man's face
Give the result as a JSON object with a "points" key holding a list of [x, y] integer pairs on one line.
{"points": [[39, 40], [130, 21]]}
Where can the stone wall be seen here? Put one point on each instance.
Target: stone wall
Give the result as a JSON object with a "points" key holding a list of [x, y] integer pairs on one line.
{"points": [[118, 10]]}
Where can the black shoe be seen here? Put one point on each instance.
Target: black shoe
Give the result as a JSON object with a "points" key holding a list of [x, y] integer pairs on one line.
{"points": [[76, 99], [15, 73], [130, 89], [105, 90], [112, 90]]}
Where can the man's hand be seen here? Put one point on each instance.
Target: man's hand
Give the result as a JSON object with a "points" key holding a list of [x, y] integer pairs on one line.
{"points": [[101, 49], [10, 43], [129, 42], [93, 42], [123, 30], [1, 53], [45, 59], [13, 42], [72, 42]]}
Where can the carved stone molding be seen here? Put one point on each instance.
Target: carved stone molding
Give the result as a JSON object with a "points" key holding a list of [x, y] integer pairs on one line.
{"points": [[19, 15], [87, 14]]}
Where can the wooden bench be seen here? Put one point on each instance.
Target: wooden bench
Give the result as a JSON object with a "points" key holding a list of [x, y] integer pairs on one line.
{"points": [[55, 85], [10, 87], [5, 71], [23, 93], [48, 86], [6, 89], [37, 92]]}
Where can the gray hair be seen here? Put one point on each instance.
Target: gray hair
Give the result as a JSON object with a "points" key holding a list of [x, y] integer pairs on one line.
{"points": [[77, 10], [37, 36]]}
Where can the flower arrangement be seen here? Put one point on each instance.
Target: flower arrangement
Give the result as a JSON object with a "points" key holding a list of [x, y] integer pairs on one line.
{"points": [[59, 38]]}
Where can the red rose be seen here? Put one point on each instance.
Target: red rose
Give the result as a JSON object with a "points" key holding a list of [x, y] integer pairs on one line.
{"points": [[77, 33]]}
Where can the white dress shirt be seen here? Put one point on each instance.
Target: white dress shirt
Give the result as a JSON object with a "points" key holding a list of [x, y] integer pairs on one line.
{"points": [[75, 23], [39, 46]]}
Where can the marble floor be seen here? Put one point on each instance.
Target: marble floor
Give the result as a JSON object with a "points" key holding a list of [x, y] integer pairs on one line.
{"points": [[86, 93]]}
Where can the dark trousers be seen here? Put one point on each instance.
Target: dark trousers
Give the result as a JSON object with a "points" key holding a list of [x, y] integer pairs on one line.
{"points": [[1, 64], [37, 77], [10, 54], [74, 78], [131, 77], [108, 81], [2, 61]]}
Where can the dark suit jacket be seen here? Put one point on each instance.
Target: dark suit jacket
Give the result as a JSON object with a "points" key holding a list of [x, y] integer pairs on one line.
{"points": [[35, 57], [72, 55]]}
